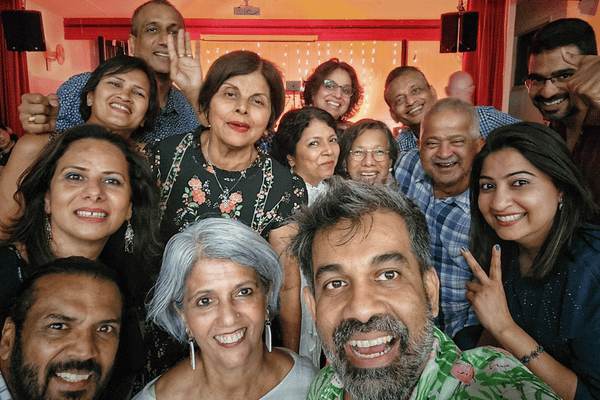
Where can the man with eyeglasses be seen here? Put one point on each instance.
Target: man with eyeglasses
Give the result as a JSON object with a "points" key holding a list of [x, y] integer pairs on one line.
{"points": [[409, 95], [564, 84], [436, 177]]}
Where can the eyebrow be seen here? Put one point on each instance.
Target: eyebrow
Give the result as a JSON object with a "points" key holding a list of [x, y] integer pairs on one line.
{"points": [[123, 80], [79, 168], [556, 73], [65, 318], [375, 261], [508, 175]]}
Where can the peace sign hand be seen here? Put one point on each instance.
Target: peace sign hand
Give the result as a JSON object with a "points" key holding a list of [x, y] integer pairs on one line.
{"points": [[486, 294]]}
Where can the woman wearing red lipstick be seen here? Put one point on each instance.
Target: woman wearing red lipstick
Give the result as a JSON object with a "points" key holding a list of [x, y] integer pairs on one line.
{"points": [[367, 152], [334, 87], [218, 291], [219, 171], [540, 300], [120, 95]]}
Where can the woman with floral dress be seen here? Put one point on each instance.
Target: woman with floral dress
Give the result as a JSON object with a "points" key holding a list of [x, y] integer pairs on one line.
{"points": [[220, 172]]}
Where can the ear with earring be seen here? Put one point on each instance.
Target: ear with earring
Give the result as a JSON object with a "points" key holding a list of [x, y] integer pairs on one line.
{"points": [[268, 333], [129, 238], [192, 350], [48, 229]]}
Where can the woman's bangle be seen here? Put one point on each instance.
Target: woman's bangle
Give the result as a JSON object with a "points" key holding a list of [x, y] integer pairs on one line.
{"points": [[534, 354]]}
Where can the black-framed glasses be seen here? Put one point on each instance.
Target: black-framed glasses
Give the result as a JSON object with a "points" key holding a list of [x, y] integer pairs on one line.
{"points": [[331, 86], [557, 79], [360, 154]]}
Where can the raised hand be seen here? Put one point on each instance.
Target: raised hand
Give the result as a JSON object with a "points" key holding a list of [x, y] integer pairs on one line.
{"points": [[487, 295], [586, 81], [38, 112], [186, 71]]}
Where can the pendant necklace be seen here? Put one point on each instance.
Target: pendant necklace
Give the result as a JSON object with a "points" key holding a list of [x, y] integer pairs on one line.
{"points": [[225, 192]]}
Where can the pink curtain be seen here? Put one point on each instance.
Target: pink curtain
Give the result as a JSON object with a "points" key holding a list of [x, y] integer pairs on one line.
{"points": [[14, 76], [486, 64]]}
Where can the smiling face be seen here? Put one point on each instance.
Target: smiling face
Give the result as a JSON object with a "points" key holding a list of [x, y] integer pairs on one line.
{"points": [[68, 341], [516, 199], [447, 148], [153, 24], [120, 101], [225, 309], [372, 307], [333, 100], [553, 100], [317, 153], [409, 96], [90, 194], [368, 169], [240, 110]]}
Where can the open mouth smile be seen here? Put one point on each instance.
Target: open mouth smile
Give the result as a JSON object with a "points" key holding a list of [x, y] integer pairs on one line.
{"points": [[231, 338], [366, 349]]}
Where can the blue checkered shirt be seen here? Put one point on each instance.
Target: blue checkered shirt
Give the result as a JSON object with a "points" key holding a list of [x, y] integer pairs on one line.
{"points": [[4, 393], [489, 119], [177, 117], [449, 220]]}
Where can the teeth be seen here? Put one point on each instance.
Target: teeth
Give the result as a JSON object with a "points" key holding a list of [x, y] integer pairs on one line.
{"points": [[370, 343], [416, 109], [368, 173], [119, 106], [89, 214], [333, 103], [225, 339], [553, 103], [72, 377], [161, 54], [446, 164], [507, 218], [372, 355]]}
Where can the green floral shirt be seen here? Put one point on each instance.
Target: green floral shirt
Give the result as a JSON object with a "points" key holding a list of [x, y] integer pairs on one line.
{"points": [[483, 373]]}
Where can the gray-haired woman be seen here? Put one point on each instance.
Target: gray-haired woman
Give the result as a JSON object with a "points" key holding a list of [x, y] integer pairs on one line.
{"points": [[218, 289]]}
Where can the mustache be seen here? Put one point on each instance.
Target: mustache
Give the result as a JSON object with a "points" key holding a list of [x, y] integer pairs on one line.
{"points": [[453, 159], [381, 322], [84, 366], [559, 96]]}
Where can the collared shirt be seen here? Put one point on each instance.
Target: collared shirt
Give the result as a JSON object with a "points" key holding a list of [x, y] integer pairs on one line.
{"points": [[489, 119], [449, 374], [449, 221], [177, 117], [4, 393]]}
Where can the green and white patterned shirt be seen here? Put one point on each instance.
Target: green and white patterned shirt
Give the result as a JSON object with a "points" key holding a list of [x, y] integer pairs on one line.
{"points": [[483, 373]]}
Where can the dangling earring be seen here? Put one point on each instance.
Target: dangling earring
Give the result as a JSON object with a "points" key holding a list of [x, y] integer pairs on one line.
{"points": [[268, 333], [560, 206], [129, 238], [192, 352], [48, 229]]}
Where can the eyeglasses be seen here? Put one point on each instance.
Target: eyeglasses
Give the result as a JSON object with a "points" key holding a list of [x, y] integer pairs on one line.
{"points": [[360, 154], [557, 79], [331, 86]]}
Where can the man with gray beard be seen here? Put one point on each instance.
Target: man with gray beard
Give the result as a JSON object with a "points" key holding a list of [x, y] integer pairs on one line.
{"points": [[373, 294]]}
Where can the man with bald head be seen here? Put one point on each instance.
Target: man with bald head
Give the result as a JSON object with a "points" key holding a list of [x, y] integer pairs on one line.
{"points": [[461, 86], [436, 177], [408, 95]]}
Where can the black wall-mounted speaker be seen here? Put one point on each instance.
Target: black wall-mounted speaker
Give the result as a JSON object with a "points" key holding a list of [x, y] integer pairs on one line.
{"points": [[23, 30], [459, 32]]}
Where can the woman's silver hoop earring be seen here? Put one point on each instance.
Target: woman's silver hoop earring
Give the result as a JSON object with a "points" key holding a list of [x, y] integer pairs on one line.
{"points": [[192, 353], [268, 333]]}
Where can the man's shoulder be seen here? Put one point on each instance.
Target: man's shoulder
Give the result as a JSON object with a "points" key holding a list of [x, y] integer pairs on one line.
{"points": [[491, 118], [408, 168], [326, 386], [4, 393], [76, 81]]}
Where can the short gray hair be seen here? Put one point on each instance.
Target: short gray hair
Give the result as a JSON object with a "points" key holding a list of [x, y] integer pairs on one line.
{"points": [[219, 238], [459, 107], [347, 200]]}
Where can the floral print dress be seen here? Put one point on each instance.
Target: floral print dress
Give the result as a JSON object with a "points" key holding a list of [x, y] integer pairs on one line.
{"points": [[262, 196]]}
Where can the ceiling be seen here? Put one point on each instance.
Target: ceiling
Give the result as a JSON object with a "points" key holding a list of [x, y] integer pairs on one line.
{"points": [[269, 9]]}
